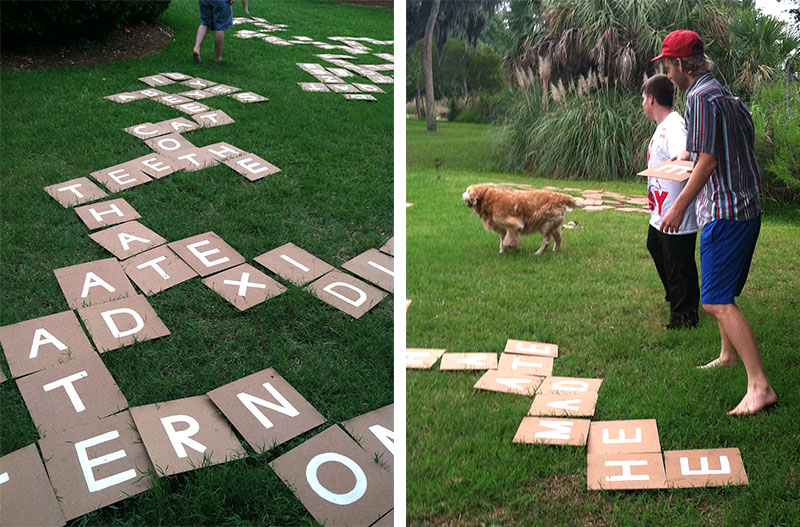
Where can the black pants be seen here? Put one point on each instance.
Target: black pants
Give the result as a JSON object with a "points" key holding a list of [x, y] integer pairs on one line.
{"points": [[673, 255]]}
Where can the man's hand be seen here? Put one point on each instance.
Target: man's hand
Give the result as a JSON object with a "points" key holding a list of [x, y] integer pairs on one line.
{"points": [[673, 219], [683, 156]]}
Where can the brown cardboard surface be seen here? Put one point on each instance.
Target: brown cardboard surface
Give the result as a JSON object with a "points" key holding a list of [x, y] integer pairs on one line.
{"points": [[329, 79], [346, 293], [151, 93], [374, 432], [388, 247], [223, 150], [75, 191], [176, 76], [508, 382], [564, 404], [193, 159], [265, 409], [252, 167], [168, 145], [212, 118], [368, 88], [179, 125], [185, 435], [635, 436], [337, 481], [68, 395], [43, 342], [108, 452], [672, 170], [359, 97], [173, 100], [374, 266], [222, 89], [156, 80], [197, 95], [313, 86], [106, 213], [292, 263], [526, 364], [124, 97], [127, 239], [157, 269], [121, 323], [422, 358], [468, 361], [3, 377], [192, 107], [704, 468], [570, 385], [93, 283], [120, 177], [248, 97], [244, 286], [26, 496], [387, 520], [198, 84], [552, 431], [154, 165], [340, 72], [146, 130], [343, 88], [524, 347], [206, 253], [625, 472]]}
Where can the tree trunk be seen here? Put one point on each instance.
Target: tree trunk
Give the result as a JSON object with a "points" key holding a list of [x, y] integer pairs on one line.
{"points": [[416, 102], [427, 66]]}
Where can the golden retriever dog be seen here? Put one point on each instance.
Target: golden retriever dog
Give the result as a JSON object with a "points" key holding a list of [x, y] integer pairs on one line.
{"points": [[512, 213]]}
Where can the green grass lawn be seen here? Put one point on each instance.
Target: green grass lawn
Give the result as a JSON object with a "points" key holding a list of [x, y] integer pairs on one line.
{"points": [[332, 198], [601, 301]]}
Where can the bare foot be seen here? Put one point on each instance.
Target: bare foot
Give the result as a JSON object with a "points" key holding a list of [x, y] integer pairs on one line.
{"points": [[753, 402], [196, 56], [719, 363]]}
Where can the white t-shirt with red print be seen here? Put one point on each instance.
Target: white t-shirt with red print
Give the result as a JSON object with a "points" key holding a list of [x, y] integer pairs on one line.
{"points": [[668, 141]]}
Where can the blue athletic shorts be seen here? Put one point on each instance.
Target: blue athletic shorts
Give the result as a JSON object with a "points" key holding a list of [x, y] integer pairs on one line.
{"points": [[216, 14], [726, 250]]}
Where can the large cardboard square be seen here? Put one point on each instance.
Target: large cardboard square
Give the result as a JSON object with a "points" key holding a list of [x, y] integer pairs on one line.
{"points": [[120, 177], [146, 130], [96, 464], [634, 436], [198, 84], [43, 342], [248, 97], [374, 266], [368, 88], [75, 191], [154, 165], [552, 431], [359, 97], [192, 108], [244, 286], [156, 80], [26, 496], [524, 347], [569, 385], [346, 293], [468, 361], [340, 72], [313, 86], [197, 95], [223, 150], [343, 88], [124, 97], [185, 435], [176, 76], [206, 253], [168, 145], [193, 159], [127, 239], [422, 358], [179, 125], [151, 93], [173, 100], [374, 432], [704, 468], [625, 472], [265, 409], [388, 247], [564, 405], [93, 283], [71, 394], [223, 89], [292, 263], [252, 167], [121, 323], [329, 80], [672, 170], [508, 382], [526, 364], [106, 213], [3, 377], [212, 118], [337, 481], [157, 269]]}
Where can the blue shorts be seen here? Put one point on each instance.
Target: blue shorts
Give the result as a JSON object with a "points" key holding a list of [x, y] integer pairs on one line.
{"points": [[726, 250], [216, 14]]}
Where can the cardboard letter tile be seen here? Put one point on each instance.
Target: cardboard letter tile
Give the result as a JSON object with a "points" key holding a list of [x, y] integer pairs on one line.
{"points": [[43, 342], [508, 382], [244, 286], [223, 150], [156, 80], [526, 364], [176, 76], [374, 431], [359, 97], [248, 97], [124, 97], [127, 239], [3, 377], [672, 170], [185, 435], [198, 84], [154, 165], [371, 88], [552, 431], [193, 159], [206, 253], [252, 167], [421, 358], [337, 482], [146, 130], [343, 88], [265, 409], [151, 93], [468, 361], [179, 125], [388, 247], [704, 468], [120, 177], [638, 436], [346, 293], [96, 464], [375, 267], [212, 118], [106, 213], [313, 86], [167, 145], [625, 471], [222, 89], [292, 263], [93, 283], [173, 100], [26, 496], [197, 95], [564, 404], [523, 347], [569, 385], [75, 191], [121, 323], [192, 108], [71, 394], [157, 269]]}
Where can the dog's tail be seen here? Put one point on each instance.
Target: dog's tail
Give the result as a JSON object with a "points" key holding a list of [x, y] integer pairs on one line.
{"points": [[571, 202]]}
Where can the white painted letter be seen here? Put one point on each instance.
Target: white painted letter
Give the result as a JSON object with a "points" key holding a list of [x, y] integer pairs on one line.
{"points": [[724, 467], [626, 470], [92, 280], [178, 439], [558, 429], [66, 383], [621, 439], [362, 296], [154, 264], [88, 464], [339, 499], [113, 327], [202, 255], [250, 402], [48, 339]]}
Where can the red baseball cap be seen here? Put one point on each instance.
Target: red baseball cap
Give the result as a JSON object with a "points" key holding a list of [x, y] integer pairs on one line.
{"points": [[681, 43]]}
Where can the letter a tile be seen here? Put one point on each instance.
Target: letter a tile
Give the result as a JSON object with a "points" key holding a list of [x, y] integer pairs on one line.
{"points": [[508, 382], [92, 283]]}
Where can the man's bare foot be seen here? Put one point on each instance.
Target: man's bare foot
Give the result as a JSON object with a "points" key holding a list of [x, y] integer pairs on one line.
{"points": [[196, 55], [719, 363], [753, 402]]}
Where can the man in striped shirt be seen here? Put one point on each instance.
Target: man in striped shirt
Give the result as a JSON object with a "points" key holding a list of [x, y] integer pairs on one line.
{"points": [[726, 178]]}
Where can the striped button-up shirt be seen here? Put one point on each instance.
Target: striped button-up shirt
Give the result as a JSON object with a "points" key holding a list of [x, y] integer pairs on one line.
{"points": [[720, 124]]}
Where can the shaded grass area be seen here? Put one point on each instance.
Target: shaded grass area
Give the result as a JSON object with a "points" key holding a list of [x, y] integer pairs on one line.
{"points": [[601, 301], [333, 198]]}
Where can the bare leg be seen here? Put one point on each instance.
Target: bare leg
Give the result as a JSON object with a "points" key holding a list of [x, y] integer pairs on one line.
{"points": [[727, 353], [219, 40], [202, 31], [740, 335]]}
